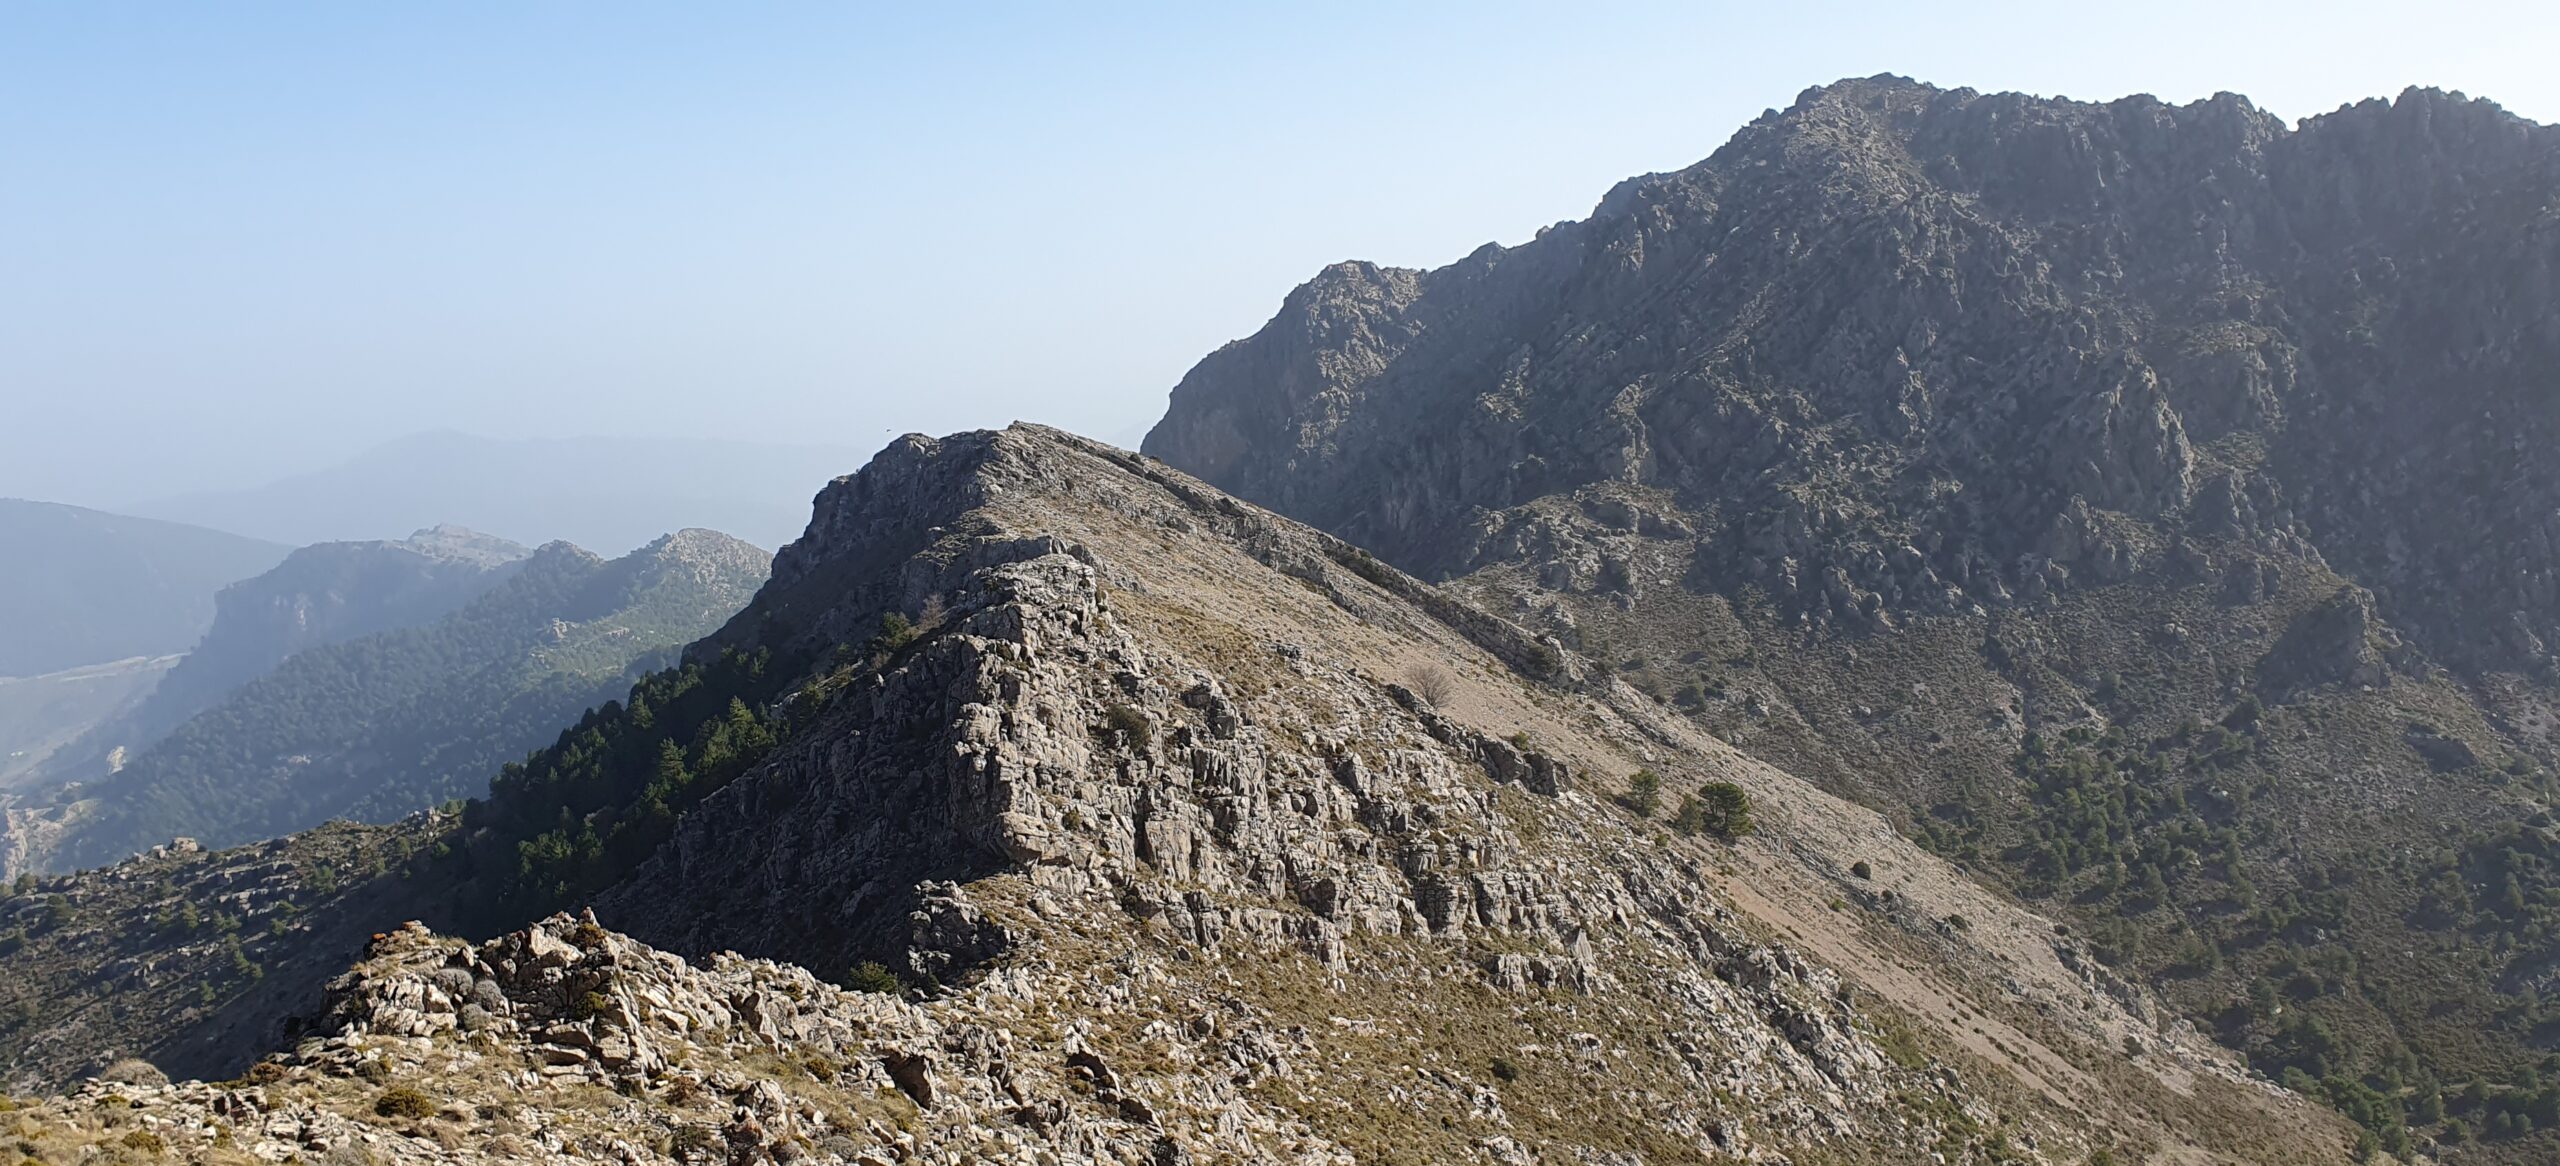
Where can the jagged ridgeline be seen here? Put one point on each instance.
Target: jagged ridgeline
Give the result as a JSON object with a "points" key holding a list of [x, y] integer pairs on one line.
{"points": [[2149, 506], [1059, 805]]}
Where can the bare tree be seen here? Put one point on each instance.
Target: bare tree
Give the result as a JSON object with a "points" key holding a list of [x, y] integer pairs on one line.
{"points": [[1432, 683]]}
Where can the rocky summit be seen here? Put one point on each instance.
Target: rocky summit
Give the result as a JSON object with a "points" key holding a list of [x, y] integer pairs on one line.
{"points": [[1050, 805], [2146, 506]]}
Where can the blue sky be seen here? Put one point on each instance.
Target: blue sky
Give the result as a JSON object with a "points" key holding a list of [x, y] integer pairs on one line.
{"points": [[242, 240]]}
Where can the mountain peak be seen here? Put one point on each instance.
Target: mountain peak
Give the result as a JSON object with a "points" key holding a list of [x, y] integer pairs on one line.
{"points": [[1979, 455]]}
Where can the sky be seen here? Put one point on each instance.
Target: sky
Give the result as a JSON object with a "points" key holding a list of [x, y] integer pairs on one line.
{"points": [[240, 241]]}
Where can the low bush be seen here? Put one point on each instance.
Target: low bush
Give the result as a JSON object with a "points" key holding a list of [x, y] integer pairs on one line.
{"points": [[404, 1101], [874, 976], [1644, 793]]}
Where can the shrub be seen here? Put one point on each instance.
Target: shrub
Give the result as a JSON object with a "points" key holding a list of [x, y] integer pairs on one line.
{"points": [[1433, 684], [145, 1141], [1691, 817], [1505, 1070], [1726, 809], [264, 1073], [404, 1101], [874, 976], [590, 1005], [1860, 869], [1132, 725], [896, 631], [1644, 793]]}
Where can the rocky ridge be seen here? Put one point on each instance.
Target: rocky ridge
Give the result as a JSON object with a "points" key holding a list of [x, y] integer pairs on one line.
{"points": [[1161, 854]]}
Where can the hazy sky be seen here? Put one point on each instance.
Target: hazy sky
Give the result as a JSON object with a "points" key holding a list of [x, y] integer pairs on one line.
{"points": [[240, 240]]}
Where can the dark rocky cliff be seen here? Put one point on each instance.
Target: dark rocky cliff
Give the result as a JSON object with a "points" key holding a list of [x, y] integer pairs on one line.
{"points": [[1903, 349]]}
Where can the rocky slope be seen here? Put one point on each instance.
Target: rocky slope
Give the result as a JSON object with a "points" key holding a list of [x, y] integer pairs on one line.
{"points": [[82, 587], [376, 726], [1158, 829], [2147, 504]]}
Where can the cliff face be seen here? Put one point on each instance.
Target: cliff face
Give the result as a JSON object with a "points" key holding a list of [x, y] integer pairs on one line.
{"points": [[2148, 506], [1181, 832], [1894, 346]]}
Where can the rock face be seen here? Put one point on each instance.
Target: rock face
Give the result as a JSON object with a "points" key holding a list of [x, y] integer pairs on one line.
{"points": [[1163, 854], [2148, 505], [1906, 350]]}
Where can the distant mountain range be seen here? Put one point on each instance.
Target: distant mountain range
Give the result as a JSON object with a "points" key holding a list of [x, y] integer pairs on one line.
{"points": [[81, 587], [376, 725], [323, 594], [612, 494]]}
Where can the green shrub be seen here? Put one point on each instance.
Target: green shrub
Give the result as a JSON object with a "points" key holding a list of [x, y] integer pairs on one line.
{"points": [[144, 1141], [1644, 793], [1725, 809], [404, 1101], [1860, 869], [874, 976], [1505, 1070], [896, 631]]}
